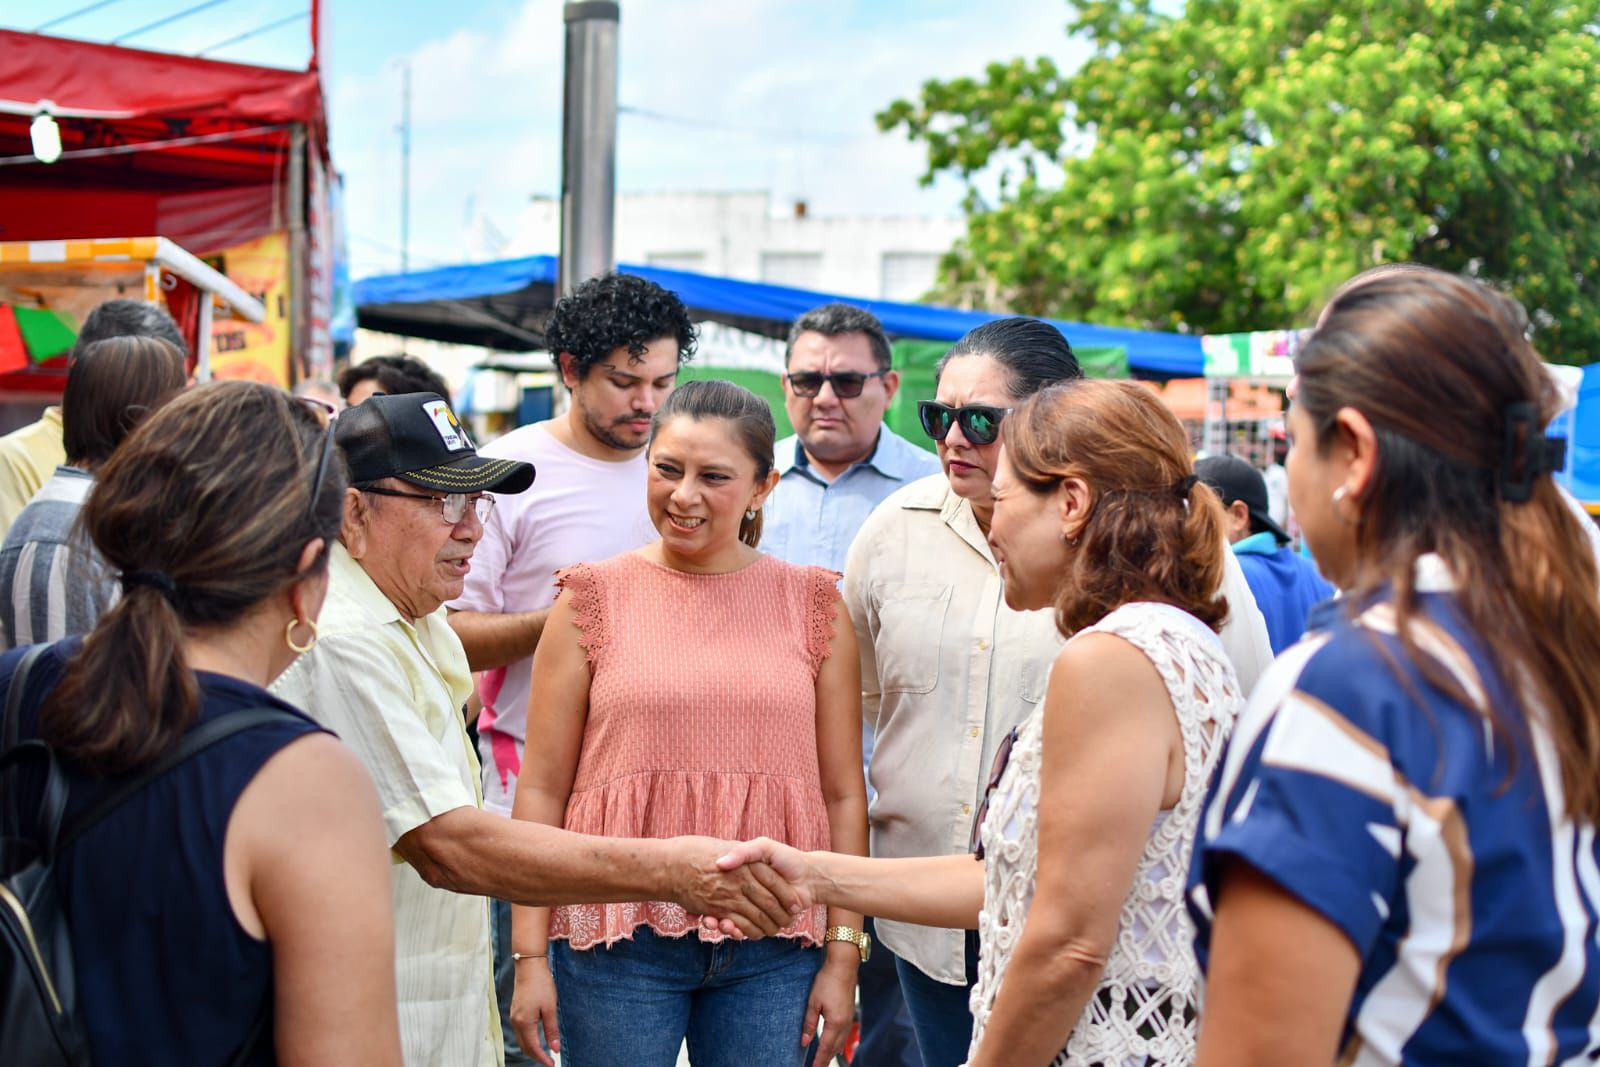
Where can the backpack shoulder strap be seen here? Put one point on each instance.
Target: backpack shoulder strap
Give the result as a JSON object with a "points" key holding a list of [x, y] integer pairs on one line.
{"points": [[10, 729], [194, 742]]}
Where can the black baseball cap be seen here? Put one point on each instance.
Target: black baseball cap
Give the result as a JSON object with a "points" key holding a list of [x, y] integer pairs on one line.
{"points": [[415, 436], [1234, 479]]}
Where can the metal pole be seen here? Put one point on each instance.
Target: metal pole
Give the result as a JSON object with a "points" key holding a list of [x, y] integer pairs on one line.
{"points": [[589, 140], [405, 167], [297, 249]]}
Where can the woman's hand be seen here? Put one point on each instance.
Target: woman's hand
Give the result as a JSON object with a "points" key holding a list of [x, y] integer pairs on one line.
{"points": [[832, 1001], [534, 1002]]}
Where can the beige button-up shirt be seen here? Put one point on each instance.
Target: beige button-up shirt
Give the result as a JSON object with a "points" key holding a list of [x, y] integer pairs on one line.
{"points": [[393, 692], [947, 670]]}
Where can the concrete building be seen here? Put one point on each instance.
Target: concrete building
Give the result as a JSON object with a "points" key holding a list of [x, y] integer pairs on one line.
{"points": [[744, 235]]}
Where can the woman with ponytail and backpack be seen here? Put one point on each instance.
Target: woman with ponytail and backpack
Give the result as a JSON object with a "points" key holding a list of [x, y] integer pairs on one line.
{"points": [[1398, 862], [234, 908]]}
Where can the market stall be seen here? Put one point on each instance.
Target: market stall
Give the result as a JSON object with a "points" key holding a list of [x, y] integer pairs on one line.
{"points": [[48, 287]]}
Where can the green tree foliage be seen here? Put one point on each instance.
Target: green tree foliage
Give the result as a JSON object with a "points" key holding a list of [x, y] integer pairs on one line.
{"points": [[1222, 168]]}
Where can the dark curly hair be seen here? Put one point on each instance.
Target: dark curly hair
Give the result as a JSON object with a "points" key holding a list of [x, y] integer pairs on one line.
{"points": [[612, 311], [395, 375]]}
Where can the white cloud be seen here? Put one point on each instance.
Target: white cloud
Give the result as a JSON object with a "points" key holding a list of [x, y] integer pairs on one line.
{"points": [[777, 95]]}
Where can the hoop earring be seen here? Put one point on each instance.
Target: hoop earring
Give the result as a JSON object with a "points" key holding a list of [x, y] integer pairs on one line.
{"points": [[750, 514], [288, 636]]}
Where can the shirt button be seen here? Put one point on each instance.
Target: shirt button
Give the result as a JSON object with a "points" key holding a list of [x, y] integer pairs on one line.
{"points": [[982, 645], [966, 809], [974, 732]]}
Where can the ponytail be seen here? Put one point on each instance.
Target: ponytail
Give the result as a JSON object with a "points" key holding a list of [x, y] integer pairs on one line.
{"points": [[204, 512], [128, 695]]}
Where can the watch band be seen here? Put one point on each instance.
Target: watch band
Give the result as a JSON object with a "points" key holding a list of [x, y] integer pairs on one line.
{"points": [[859, 938]]}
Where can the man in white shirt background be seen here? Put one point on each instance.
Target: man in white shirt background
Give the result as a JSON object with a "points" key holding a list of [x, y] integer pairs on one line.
{"points": [[837, 467], [619, 341]]}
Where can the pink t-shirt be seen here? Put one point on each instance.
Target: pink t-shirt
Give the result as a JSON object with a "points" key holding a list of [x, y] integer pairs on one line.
{"points": [[578, 510]]}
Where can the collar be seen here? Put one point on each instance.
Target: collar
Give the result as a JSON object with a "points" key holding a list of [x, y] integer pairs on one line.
{"points": [[1431, 574], [1264, 543], [933, 493], [890, 457], [347, 574]]}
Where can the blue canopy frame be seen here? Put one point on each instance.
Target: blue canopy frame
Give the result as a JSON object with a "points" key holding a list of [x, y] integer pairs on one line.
{"points": [[502, 305]]}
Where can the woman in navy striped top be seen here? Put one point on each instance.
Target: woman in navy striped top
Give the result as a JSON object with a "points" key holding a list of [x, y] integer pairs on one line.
{"points": [[1398, 862]]}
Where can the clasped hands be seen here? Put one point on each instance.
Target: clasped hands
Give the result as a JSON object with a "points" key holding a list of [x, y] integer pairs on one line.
{"points": [[750, 890]]}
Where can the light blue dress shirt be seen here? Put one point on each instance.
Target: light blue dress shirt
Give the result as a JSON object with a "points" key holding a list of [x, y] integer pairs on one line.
{"points": [[811, 521]]}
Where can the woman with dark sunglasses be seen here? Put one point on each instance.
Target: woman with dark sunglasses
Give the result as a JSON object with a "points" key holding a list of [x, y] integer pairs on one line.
{"points": [[1089, 813]]}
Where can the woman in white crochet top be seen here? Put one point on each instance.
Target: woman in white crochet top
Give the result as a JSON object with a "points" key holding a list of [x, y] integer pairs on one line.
{"points": [[1087, 827]]}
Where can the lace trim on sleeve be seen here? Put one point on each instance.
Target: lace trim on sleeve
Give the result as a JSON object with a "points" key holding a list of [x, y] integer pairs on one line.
{"points": [[822, 612], [587, 606]]}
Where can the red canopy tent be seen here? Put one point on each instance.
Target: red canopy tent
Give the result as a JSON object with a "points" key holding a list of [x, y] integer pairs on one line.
{"points": [[205, 153]]}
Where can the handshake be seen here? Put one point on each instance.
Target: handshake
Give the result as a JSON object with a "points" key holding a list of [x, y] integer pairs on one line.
{"points": [[748, 890]]}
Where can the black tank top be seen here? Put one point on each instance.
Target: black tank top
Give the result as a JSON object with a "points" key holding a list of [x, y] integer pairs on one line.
{"points": [[165, 973]]}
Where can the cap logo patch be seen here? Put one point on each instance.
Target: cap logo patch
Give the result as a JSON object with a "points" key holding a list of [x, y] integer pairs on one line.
{"points": [[451, 432]]}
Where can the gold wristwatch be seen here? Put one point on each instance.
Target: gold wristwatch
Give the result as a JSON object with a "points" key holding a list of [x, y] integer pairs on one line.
{"points": [[859, 938]]}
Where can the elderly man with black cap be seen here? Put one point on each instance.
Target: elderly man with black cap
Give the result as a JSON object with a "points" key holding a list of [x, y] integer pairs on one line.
{"points": [[389, 676]]}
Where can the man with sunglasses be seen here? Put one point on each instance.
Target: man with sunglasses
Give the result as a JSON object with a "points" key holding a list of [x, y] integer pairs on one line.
{"points": [[385, 671], [841, 460], [837, 467]]}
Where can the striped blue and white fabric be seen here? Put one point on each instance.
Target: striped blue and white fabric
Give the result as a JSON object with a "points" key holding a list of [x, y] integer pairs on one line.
{"points": [[53, 583], [1440, 848]]}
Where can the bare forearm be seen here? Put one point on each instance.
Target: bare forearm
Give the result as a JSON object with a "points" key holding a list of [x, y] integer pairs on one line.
{"points": [[930, 890], [1048, 982], [847, 819], [533, 864], [494, 640]]}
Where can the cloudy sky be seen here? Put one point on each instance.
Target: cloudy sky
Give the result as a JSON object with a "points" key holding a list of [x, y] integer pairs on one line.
{"points": [[773, 95]]}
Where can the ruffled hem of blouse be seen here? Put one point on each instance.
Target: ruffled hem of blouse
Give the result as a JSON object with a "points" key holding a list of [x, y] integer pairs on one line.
{"points": [[729, 806]]}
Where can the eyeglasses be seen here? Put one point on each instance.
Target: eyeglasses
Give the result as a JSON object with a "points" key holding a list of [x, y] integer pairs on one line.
{"points": [[847, 384], [452, 506], [1002, 756], [980, 423]]}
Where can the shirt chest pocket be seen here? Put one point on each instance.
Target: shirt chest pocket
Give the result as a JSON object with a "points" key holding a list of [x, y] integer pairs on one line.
{"points": [[911, 619]]}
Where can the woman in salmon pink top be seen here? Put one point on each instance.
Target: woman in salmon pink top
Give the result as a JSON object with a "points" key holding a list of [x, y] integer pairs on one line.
{"points": [[695, 686]]}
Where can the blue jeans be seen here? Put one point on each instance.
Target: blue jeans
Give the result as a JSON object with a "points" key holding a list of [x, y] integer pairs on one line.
{"points": [[941, 1013], [505, 979], [887, 1037], [738, 1002]]}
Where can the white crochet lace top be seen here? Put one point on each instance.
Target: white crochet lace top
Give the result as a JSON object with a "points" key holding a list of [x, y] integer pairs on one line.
{"points": [[1145, 1010]]}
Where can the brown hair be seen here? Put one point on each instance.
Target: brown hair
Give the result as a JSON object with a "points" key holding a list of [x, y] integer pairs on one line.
{"points": [[112, 386], [1437, 364], [714, 398], [209, 502], [1154, 532]]}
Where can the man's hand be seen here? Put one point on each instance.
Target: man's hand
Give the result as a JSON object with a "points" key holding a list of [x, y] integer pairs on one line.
{"points": [[751, 897], [786, 862]]}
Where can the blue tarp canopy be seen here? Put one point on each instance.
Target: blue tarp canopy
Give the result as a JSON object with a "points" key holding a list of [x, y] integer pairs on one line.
{"points": [[503, 304], [1583, 444]]}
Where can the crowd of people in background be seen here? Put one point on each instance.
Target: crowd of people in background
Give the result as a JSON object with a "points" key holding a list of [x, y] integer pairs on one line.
{"points": [[641, 727]]}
